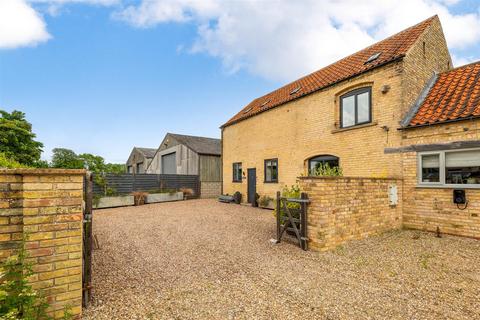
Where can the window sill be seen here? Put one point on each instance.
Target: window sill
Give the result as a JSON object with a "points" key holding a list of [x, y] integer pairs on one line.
{"points": [[234, 181], [447, 186], [270, 181], [366, 125]]}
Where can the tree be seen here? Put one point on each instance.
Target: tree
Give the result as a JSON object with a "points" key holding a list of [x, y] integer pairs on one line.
{"points": [[66, 158], [92, 162], [116, 168], [17, 139]]}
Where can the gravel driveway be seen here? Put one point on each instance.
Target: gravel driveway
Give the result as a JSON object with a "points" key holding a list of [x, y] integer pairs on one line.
{"points": [[201, 259]]}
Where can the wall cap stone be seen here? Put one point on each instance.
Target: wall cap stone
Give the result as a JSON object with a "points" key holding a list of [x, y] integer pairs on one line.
{"points": [[351, 178], [35, 171]]}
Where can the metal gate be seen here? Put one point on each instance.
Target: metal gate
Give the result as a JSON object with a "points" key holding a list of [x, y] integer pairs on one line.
{"points": [[292, 218], [87, 238]]}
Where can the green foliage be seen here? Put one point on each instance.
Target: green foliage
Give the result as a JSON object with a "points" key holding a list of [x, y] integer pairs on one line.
{"points": [[6, 162], [292, 192], [92, 162], [18, 300], [264, 201], [324, 170], [17, 139], [116, 168], [101, 181], [66, 158]]}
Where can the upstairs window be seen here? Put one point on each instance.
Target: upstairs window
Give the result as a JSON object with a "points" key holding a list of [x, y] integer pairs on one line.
{"points": [[271, 170], [356, 107], [237, 172]]}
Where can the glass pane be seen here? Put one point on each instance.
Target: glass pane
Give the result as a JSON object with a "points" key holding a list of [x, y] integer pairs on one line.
{"points": [[462, 175], [268, 172], [462, 159], [363, 107], [431, 168], [462, 167], [274, 171], [348, 111], [431, 161]]}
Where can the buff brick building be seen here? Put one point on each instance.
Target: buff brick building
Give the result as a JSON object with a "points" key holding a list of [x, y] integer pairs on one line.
{"points": [[389, 111]]}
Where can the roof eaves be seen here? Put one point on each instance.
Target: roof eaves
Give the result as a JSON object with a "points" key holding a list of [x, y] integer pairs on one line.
{"points": [[394, 59], [429, 124]]}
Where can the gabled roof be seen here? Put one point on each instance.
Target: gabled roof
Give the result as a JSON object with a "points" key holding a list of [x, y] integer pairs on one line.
{"points": [[389, 50], [454, 96], [200, 145], [147, 152]]}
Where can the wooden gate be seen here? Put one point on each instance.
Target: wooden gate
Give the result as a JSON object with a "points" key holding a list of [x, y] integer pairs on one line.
{"points": [[292, 218], [87, 238]]}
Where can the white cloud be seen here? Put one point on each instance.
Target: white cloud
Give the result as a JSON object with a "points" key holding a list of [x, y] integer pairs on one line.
{"points": [[284, 39], [20, 25]]}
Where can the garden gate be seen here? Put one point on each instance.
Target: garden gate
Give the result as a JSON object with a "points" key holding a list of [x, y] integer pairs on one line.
{"points": [[292, 218], [87, 238]]}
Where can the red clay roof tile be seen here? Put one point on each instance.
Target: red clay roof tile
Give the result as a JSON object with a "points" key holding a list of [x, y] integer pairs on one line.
{"points": [[454, 96], [391, 49]]}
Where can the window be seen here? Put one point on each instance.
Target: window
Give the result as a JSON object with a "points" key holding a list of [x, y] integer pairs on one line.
{"points": [[139, 167], [129, 169], [271, 170], [237, 172], [315, 162], [355, 107], [450, 168]]}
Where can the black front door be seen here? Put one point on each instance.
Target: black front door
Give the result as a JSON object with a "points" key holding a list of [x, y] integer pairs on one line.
{"points": [[252, 185]]}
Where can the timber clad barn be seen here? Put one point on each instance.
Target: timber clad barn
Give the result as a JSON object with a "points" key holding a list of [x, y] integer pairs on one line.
{"points": [[182, 154], [394, 110]]}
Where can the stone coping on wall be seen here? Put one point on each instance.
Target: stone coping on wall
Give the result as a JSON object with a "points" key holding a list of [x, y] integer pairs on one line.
{"points": [[349, 177], [35, 171]]}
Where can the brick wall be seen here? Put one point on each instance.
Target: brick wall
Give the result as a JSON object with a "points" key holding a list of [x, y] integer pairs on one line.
{"points": [[210, 189], [46, 205], [429, 208], [343, 209]]}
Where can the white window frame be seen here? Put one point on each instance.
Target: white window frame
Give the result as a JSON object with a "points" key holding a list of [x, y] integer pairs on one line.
{"points": [[441, 183]]}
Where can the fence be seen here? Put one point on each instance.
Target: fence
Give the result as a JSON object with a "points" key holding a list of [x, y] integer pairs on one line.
{"points": [[128, 183]]}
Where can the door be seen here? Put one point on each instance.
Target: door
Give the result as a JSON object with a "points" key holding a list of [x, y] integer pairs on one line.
{"points": [[169, 163], [252, 185]]}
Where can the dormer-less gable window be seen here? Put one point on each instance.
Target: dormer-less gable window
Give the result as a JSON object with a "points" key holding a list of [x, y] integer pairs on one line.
{"points": [[356, 107]]}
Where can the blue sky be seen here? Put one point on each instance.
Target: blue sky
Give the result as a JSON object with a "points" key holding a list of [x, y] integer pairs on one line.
{"points": [[102, 76]]}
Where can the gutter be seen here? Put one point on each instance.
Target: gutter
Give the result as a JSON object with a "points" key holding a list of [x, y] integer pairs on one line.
{"points": [[437, 123]]}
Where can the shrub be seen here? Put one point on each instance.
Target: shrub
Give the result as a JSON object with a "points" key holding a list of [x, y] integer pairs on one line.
{"points": [[18, 300], [264, 201], [187, 192], [293, 192], [6, 162], [324, 170]]}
